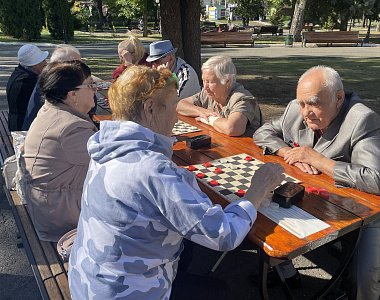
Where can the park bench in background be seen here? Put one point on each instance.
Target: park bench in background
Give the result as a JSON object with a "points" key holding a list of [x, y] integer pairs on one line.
{"points": [[265, 29], [331, 37], [47, 266], [238, 37], [209, 26]]}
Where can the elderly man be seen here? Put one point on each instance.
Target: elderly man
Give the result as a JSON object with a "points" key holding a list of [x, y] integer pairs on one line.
{"points": [[162, 54], [330, 131], [223, 103], [23, 83]]}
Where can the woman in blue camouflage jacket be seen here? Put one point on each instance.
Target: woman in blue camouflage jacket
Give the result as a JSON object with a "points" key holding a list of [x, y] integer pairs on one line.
{"points": [[138, 205]]}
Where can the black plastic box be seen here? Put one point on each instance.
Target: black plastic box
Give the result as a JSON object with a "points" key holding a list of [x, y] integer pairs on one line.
{"points": [[287, 194], [198, 141]]}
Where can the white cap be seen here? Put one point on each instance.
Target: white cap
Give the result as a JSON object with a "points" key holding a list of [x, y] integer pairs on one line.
{"points": [[31, 55]]}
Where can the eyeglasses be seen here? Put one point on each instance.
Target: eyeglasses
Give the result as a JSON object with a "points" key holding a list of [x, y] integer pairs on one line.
{"points": [[92, 86]]}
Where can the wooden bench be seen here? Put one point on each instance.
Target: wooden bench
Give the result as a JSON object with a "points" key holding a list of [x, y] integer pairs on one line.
{"points": [[48, 268], [207, 26], [238, 37], [265, 29], [331, 37]]}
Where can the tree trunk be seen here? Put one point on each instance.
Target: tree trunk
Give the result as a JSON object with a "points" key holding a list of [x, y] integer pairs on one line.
{"points": [[363, 20], [297, 21], [171, 23], [343, 22], [191, 34], [145, 19], [99, 4], [366, 40], [378, 26], [180, 24]]}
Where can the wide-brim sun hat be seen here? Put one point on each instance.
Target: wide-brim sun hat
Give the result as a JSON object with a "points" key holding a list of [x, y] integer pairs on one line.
{"points": [[160, 49], [30, 55]]}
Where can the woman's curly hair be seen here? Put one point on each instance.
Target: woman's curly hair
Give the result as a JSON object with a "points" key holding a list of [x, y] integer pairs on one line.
{"points": [[137, 83]]}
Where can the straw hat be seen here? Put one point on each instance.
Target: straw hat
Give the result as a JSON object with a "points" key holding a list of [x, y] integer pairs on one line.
{"points": [[160, 49], [31, 55]]}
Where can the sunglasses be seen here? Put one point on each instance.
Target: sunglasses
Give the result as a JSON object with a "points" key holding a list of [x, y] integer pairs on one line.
{"points": [[92, 86]]}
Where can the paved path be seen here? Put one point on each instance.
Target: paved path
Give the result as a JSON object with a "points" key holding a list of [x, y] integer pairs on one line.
{"points": [[16, 278]]}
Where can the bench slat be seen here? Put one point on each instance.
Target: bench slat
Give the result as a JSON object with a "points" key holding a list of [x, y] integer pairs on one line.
{"points": [[42, 263]]}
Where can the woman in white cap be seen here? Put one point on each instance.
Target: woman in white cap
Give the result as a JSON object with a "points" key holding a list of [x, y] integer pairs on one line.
{"points": [[56, 157], [22, 83]]}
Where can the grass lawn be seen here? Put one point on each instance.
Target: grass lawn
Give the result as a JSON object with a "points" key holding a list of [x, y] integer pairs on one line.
{"points": [[274, 81]]}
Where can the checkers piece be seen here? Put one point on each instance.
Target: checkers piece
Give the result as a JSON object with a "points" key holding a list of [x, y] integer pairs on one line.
{"points": [[214, 182], [218, 170], [191, 168], [265, 203], [208, 164], [241, 193], [311, 189], [201, 175], [324, 194], [319, 190], [248, 158], [274, 205]]}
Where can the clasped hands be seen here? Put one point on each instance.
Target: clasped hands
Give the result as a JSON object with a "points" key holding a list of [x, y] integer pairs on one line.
{"points": [[207, 116], [304, 158]]}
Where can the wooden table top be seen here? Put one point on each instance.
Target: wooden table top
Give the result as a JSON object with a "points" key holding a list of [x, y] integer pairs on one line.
{"points": [[345, 210]]}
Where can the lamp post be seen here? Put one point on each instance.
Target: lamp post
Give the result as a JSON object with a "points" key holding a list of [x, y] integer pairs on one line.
{"points": [[158, 15], [63, 24]]}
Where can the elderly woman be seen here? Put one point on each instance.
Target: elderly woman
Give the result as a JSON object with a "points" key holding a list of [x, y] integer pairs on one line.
{"points": [[131, 52], [56, 157], [138, 205], [223, 103]]}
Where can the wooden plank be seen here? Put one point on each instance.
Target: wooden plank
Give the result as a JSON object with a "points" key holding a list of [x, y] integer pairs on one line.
{"points": [[37, 250], [56, 268]]}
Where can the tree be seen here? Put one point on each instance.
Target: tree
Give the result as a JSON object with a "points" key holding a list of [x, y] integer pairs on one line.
{"points": [[297, 21], [247, 9], [21, 19], [99, 8], [180, 24], [58, 18]]}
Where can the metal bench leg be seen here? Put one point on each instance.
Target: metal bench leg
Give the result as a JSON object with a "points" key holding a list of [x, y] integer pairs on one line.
{"points": [[217, 263]]}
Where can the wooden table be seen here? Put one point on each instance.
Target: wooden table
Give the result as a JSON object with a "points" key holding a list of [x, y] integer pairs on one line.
{"points": [[346, 210]]}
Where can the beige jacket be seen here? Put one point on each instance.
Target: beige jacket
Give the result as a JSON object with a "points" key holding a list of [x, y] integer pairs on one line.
{"points": [[56, 162]]}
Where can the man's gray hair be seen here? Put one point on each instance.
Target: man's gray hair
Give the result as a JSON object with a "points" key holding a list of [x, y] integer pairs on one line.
{"points": [[64, 52], [333, 82], [223, 68]]}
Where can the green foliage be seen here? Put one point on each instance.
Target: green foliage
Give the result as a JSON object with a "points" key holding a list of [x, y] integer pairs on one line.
{"points": [[133, 9], [21, 19], [80, 19], [248, 9], [54, 10]]}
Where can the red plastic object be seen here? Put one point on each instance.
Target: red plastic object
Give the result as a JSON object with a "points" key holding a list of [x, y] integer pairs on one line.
{"points": [[191, 168], [214, 182], [324, 194], [311, 189], [319, 190], [248, 158], [218, 170], [241, 193], [200, 175], [207, 164]]}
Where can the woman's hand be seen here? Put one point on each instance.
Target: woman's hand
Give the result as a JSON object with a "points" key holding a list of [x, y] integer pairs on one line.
{"points": [[265, 180], [126, 58]]}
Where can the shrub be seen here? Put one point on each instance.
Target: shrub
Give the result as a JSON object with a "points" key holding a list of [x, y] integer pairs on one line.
{"points": [[53, 11]]}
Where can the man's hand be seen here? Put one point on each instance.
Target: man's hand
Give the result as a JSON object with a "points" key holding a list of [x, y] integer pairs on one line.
{"points": [[305, 158], [265, 180], [306, 168]]}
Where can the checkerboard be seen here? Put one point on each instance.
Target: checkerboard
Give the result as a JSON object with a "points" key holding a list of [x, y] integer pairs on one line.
{"points": [[236, 175], [182, 127], [103, 85]]}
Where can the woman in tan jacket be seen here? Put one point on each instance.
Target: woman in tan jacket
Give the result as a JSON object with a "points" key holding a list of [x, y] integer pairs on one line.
{"points": [[56, 157]]}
